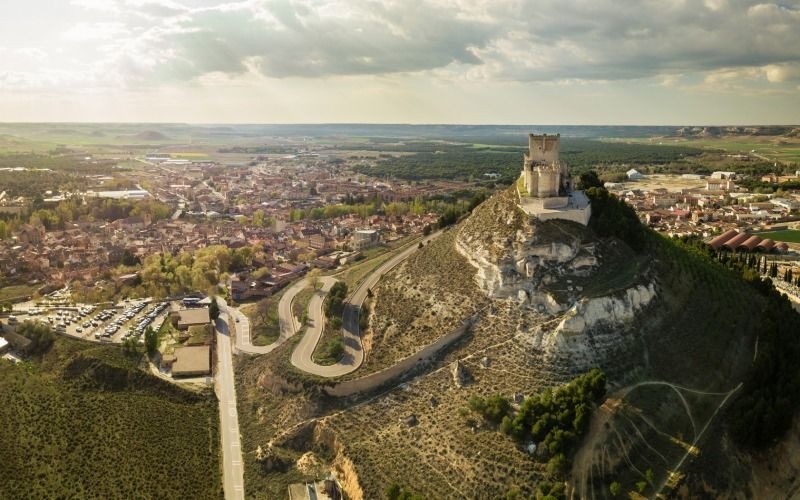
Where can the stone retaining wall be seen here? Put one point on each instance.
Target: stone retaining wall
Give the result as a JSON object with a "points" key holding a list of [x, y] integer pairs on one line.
{"points": [[374, 380]]}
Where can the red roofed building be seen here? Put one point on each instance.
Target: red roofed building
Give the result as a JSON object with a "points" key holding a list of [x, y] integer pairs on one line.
{"points": [[720, 240], [733, 243]]}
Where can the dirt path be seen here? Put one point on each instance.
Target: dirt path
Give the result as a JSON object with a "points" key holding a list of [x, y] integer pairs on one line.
{"points": [[584, 462]]}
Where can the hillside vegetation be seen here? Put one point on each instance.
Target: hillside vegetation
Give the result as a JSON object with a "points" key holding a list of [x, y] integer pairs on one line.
{"points": [[682, 378], [83, 422]]}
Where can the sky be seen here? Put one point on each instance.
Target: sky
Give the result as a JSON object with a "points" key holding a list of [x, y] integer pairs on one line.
{"points": [[704, 62]]}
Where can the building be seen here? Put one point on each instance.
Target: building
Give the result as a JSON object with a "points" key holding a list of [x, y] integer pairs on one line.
{"points": [[365, 238], [742, 242], [3, 345], [193, 361], [547, 186], [720, 185], [192, 317], [634, 175], [544, 174], [327, 489]]}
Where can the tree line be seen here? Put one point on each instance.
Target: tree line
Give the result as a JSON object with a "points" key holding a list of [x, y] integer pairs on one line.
{"points": [[554, 420]]}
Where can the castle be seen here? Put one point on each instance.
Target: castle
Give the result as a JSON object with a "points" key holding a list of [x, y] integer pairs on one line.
{"points": [[548, 191], [545, 176]]}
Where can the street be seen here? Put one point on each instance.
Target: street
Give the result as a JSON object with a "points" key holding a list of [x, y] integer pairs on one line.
{"points": [[233, 472]]}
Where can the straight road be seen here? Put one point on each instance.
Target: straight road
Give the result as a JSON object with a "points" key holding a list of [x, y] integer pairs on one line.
{"points": [[233, 472]]}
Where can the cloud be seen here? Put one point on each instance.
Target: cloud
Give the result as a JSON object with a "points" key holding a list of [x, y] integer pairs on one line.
{"points": [[88, 32], [152, 42]]}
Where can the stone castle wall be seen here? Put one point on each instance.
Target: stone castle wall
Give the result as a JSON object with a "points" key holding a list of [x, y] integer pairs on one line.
{"points": [[544, 148]]}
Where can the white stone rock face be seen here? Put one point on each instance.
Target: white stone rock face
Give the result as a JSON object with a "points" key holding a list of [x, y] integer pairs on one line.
{"points": [[609, 310], [544, 268], [517, 266]]}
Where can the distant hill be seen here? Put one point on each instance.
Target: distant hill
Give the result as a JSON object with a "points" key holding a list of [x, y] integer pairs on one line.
{"points": [[150, 135], [760, 130]]}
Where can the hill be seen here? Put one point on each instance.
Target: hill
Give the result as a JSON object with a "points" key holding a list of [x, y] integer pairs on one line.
{"points": [[150, 135], [83, 422], [673, 330]]}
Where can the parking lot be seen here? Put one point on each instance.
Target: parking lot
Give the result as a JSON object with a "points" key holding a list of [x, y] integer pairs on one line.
{"points": [[105, 323]]}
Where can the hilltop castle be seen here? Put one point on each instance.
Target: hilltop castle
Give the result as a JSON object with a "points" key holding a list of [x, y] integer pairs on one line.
{"points": [[545, 176], [548, 191]]}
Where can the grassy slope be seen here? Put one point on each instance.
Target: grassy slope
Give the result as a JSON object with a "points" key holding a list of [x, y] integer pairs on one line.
{"points": [[265, 333], [791, 236], [83, 423]]}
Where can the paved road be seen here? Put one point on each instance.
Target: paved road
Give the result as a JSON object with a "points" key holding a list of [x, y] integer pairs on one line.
{"points": [[233, 473], [302, 355], [242, 324], [353, 351]]}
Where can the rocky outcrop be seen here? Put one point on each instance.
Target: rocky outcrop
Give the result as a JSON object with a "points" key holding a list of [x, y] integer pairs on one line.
{"points": [[528, 259], [459, 373], [546, 267], [609, 310]]}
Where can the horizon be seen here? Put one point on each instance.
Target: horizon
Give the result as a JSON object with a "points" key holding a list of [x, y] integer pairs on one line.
{"points": [[406, 124]]}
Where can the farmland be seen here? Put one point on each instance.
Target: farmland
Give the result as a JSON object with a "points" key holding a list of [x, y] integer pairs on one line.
{"points": [[788, 235], [782, 149], [83, 421]]}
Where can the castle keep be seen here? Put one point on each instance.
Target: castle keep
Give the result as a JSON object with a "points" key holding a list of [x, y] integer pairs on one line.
{"points": [[545, 176], [548, 192]]}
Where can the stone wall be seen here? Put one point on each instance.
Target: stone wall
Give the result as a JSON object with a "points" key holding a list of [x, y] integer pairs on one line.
{"points": [[544, 148], [579, 215]]}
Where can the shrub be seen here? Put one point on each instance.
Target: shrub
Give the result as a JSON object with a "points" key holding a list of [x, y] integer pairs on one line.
{"points": [[40, 334]]}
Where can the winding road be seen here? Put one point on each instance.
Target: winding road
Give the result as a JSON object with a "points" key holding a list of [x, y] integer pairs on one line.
{"points": [[302, 355], [353, 350]]}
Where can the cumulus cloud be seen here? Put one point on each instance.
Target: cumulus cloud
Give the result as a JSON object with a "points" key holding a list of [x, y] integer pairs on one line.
{"points": [[154, 41]]}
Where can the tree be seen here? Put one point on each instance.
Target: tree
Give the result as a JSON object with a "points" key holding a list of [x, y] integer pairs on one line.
{"points": [[40, 334], [128, 259], [615, 489], [589, 179], [151, 340], [262, 311], [395, 492], [335, 348], [130, 347], [613, 217], [313, 278], [334, 303], [426, 230], [258, 218], [213, 309]]}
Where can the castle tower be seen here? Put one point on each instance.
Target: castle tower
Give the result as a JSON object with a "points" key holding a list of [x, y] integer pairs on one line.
{"points": [[544, 174]]}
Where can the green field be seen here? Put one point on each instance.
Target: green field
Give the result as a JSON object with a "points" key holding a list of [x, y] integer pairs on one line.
{"points": [[784, 150], [84, 422], [788, 235], [13, 291]]}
